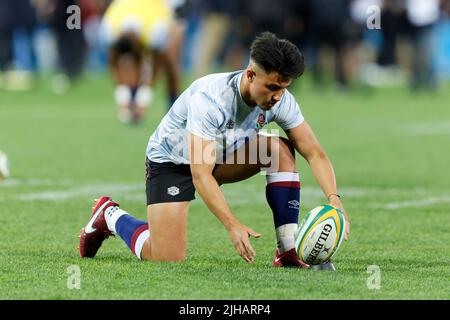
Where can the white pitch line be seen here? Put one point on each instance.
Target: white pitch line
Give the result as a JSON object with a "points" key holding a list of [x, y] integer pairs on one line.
{"points": [[415, 203], [86, 191], [428, 128], [255, 194], [11, 182], [245, 194]]}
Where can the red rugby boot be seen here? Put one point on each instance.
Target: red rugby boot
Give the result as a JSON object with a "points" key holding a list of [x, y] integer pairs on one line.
{"points": [[288, 259], [96, 230]]}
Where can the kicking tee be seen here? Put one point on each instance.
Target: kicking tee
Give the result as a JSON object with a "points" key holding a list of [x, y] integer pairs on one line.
{"points": [[213, 109]]}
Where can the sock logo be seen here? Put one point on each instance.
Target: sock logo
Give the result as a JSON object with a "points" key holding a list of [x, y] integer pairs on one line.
{"points": [[294, 204], [173, 191]]}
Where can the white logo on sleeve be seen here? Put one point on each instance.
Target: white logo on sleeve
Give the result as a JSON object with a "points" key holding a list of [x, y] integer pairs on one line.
{"points": [[173, 191]]}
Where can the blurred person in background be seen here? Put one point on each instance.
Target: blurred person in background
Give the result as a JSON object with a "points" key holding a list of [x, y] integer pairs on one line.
{"points": [[393, 22], [415, 21], [442, 59], [192, 13], [92, 12], [296, 22], [217, 33], [364, 41], [255, 17], [214, 30], [138, 34], [17, 57], [230, 26], [445, 8], [422, 17], [240, 34], [178, 32], [329, 20], [70, 43]]}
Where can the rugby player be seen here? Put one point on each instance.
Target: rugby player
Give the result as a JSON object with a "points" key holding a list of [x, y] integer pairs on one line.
{"points": [[211, 136], [138, 34]]}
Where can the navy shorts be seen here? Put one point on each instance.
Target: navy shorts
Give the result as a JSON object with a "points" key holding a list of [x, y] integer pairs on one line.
{"points": [[168, 182]]}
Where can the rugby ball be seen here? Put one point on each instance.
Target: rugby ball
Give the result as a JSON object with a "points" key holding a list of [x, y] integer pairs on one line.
{"points": [[320, 234]]}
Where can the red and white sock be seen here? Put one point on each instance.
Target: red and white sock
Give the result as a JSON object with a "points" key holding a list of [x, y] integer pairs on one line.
{"points": [[283, 197], [133, 231]]}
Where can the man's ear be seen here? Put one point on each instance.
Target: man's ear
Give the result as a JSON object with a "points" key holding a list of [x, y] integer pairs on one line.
{"points": [[250, 74]]}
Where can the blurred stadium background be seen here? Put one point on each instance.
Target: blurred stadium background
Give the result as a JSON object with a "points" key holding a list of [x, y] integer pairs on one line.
{"points": [[413, 43], [378, 100]]}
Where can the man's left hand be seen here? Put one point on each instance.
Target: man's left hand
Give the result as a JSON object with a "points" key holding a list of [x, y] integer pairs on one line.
{"points": [[336, 202]]}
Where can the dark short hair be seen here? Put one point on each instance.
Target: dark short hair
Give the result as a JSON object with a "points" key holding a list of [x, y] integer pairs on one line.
{"points": [[280, 55], [128, 44]]}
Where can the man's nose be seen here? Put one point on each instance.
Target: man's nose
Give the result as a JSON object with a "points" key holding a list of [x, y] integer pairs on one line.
{"points": [[277, 96]]}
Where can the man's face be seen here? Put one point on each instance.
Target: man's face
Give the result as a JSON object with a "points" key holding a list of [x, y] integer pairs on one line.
{"points": [[266, 89]]}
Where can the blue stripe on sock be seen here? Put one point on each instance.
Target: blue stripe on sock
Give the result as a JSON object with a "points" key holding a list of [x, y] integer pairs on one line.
{"points": [[285, 203], [126, 225]]}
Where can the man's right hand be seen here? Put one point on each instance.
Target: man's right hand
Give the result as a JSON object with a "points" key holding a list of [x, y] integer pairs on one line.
{"points": [[202, 155], [240, 237]]}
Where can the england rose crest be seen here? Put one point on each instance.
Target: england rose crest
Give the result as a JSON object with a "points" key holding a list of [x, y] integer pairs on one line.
{"points": [[261, 121]]}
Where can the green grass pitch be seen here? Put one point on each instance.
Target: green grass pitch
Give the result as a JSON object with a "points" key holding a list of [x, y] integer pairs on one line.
{"points": [[390, 150]]}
